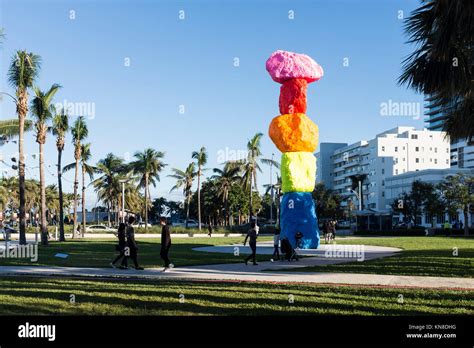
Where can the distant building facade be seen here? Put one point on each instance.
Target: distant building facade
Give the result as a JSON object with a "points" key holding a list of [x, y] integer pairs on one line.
{"points": [[393, 152], [324, 163], [462, 151]]}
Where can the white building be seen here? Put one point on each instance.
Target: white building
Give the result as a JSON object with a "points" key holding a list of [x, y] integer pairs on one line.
{"points": [[396, 185], [393, 152]]}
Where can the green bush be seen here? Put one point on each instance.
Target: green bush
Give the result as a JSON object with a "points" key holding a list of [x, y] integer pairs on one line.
{"points": [[418, 231]]}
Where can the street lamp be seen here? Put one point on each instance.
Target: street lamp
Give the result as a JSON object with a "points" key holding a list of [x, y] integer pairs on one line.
{"points": [[123, 181], [358, 195]]}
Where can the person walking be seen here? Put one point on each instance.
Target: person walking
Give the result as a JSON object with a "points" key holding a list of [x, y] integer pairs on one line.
{"points": [[252, 236], [132, 244], [276, 244], [122, 244], [165, 244], [209, 228], [333, 229]]}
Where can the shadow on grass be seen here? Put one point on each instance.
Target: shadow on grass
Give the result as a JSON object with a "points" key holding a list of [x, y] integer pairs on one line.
{"points": [[42, 296]]}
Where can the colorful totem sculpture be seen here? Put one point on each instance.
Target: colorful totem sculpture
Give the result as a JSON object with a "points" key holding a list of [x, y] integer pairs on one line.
{"points": [[296, 136]]}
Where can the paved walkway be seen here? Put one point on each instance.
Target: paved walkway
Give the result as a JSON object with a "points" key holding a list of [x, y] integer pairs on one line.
{"points": [[265, 271]]}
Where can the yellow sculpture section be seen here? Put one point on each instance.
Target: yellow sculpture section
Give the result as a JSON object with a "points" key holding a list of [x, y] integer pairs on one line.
{"points": [[294, 133], [298, 172]]}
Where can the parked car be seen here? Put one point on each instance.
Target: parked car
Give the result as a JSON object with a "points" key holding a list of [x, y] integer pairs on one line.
{"points": [[343, 224], [191, 223], [99, 228], [141, 225]]}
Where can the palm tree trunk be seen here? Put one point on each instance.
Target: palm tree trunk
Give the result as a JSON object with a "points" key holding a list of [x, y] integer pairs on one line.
{"points": [[22, 109], [44, 224], [466, 222], [146, 203], [61, 202], [76, 184], [250, 199], [84, 219], [227, 212], [187, 209], [108, 214], [199, 197]]}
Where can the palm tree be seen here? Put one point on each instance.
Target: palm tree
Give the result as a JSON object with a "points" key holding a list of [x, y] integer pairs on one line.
{"points": [[276, 189], [251, 165], [148, 165], [42, 111], [22, 73], [11, 128], [441, 66], [185, 180], [107, 186], [201, 160], [226, 178], [60, 128], [86, 168], [79, 132]]}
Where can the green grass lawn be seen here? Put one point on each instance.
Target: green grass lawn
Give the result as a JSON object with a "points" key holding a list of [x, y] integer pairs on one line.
{"points": [[42, 296], [100, 252], [422, 256]]}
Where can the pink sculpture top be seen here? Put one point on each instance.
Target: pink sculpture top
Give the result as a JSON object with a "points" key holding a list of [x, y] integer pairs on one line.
{"points": [[284, 65]]}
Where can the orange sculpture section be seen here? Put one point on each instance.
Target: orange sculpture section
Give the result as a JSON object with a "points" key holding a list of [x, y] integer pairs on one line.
{"points": [[294, 133]]}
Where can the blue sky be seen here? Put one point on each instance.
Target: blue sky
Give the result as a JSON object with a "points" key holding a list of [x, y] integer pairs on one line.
{"points": [[176, 63]]}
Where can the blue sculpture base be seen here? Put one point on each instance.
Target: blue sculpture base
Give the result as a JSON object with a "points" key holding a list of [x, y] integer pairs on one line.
{"points": [[298, 214]]}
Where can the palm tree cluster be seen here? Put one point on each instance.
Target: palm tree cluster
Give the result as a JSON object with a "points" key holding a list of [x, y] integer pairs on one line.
{"points": [[230, 193], [118, 179]]}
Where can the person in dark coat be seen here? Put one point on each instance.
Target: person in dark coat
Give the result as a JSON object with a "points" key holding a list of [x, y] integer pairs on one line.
{"points": [[165, 244], [122, 243], [132, 244], [252, 236]]}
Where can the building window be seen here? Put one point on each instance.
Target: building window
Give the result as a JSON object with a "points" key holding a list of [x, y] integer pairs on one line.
{"points": [[396, 171], [428, 219], [404, 159], [414, 136], [440, 219], [383, 182], [383, 171], [383, 159], [436, 161], [417, 160], [436, 150], [383, 148], [383, 193], [396, 148], [417, 149]]}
